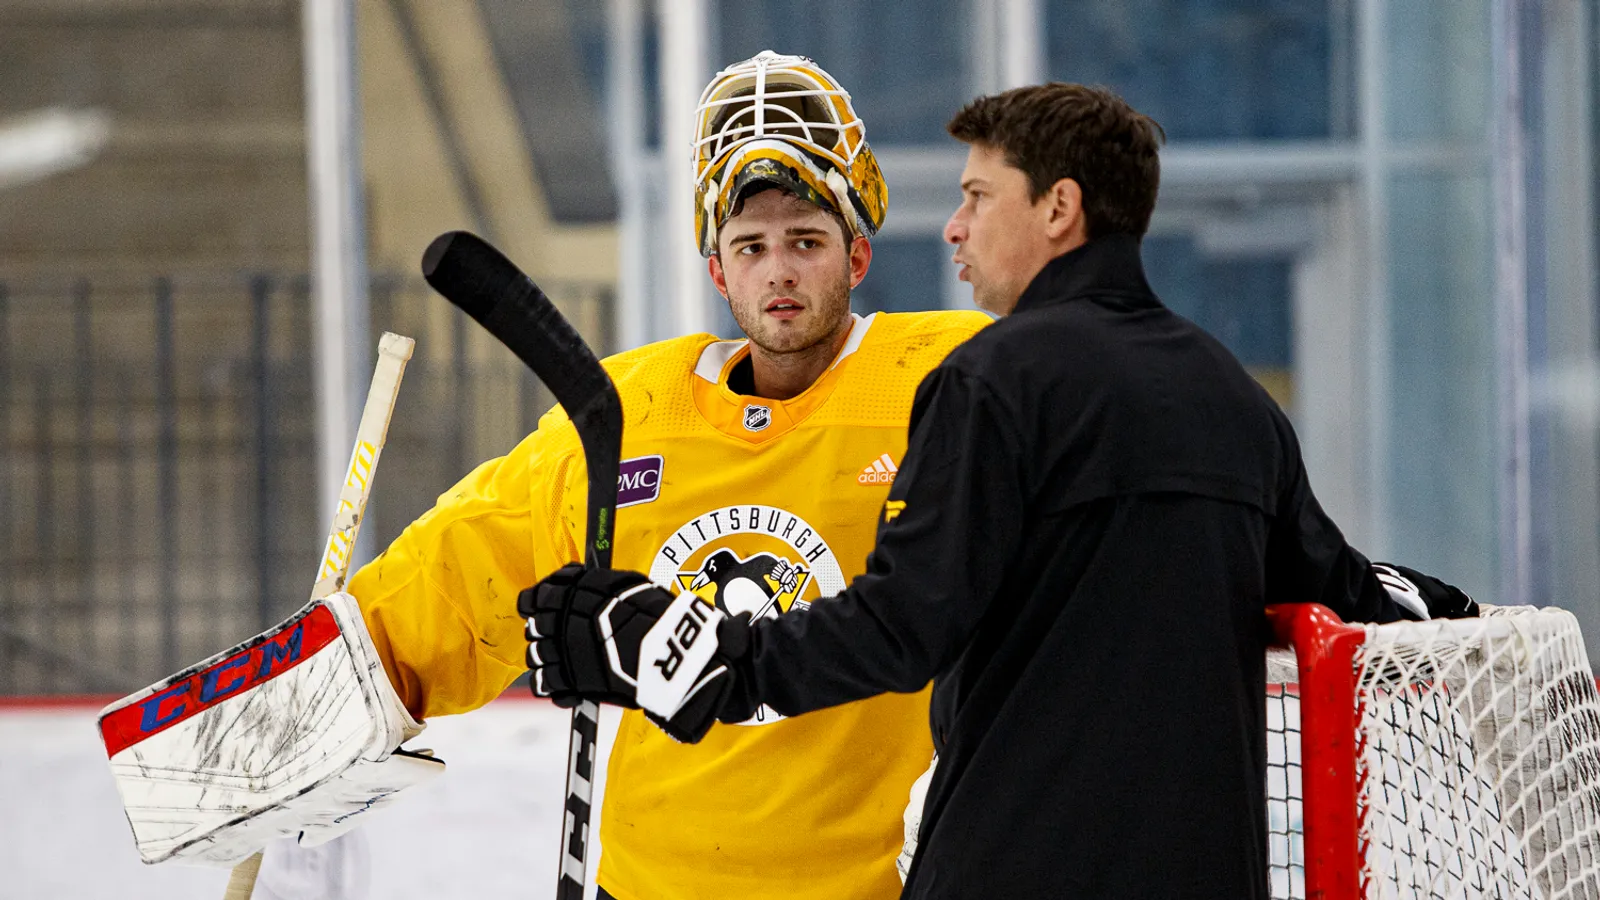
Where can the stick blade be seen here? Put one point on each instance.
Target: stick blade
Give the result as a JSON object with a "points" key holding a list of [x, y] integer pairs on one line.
{"points": [[466, 270], [487, 286]]}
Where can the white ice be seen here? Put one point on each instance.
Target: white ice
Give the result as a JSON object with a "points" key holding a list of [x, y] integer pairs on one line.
{"points": [[489, 827]]}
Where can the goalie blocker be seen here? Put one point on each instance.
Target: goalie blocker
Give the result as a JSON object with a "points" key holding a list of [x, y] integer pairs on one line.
{"points": [[296, 731]]}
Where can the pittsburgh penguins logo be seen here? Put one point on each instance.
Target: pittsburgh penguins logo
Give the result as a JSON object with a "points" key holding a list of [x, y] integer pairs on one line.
{"points": [[761, 560], [763, 585]]}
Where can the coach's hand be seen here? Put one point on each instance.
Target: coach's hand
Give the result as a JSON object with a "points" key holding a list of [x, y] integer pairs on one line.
{"points": [[612, 636], [1424, 596]]}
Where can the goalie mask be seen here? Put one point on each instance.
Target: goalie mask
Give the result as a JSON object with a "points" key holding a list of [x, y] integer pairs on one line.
{"points": [[783, 120]]}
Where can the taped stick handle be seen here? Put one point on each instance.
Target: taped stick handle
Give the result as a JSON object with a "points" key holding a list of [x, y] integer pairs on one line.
{"points": [[242, 882], [394, 351]]}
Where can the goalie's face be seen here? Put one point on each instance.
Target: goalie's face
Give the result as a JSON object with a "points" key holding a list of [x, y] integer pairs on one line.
{"points": [[786, 268]]}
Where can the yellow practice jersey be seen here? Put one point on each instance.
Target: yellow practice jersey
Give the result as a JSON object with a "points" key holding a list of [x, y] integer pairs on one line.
{"points": [[755, 505]]}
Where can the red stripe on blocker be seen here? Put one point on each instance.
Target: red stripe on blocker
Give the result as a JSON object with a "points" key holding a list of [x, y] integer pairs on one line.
{"points": [[190, 693]]}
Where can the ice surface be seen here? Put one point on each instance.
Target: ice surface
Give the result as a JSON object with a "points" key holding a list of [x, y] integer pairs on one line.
{"points": [[488, 827]]}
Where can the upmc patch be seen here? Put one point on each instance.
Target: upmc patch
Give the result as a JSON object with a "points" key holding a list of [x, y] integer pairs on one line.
{"points": [[638, 480]]}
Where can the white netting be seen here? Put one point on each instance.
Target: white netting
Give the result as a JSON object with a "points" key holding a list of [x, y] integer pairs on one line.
{"points": [[1285, 841], [1480, 776]]}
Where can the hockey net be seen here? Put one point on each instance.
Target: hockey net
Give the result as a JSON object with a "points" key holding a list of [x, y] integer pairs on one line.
{"points": [[1448, 759]]}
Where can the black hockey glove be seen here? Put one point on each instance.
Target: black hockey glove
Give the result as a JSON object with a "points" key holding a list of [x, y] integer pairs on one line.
{"points": [[612, 636], [1424, 596]]}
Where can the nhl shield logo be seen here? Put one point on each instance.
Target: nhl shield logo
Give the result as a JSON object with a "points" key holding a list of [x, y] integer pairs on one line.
{"points": [[757, 417]]}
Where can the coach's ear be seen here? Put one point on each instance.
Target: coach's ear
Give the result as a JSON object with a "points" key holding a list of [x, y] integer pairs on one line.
{"points": [[1062, 210]]}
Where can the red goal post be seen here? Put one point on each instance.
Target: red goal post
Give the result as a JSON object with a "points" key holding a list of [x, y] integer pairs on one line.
{"points": [[1454, 758]]}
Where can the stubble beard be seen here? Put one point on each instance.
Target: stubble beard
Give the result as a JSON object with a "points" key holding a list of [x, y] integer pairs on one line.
{"points": [[985, 298], [828, 315], [994, 299]]}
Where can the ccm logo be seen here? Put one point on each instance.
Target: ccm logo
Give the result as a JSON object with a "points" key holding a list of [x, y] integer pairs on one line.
{"points": [[204, 686], [684, 634]]}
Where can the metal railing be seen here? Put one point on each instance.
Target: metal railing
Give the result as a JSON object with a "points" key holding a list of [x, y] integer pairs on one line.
{"points": [[157, 494]]}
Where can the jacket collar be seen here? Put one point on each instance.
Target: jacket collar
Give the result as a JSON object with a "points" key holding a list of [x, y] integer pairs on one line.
{"points": [[1106, 265]]}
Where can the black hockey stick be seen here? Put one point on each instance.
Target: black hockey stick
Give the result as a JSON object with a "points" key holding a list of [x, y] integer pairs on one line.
{"points": [[485, 285]]}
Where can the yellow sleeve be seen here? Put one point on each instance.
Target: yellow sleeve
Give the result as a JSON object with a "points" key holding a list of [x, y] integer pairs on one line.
{"points": [[441, 601]]}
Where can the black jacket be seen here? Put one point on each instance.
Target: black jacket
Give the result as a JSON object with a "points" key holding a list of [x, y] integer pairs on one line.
{"points": [[1095, 506]]}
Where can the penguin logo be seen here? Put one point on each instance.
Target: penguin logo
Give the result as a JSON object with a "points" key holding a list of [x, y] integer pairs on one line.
{"points": [[757, 417], [749, 558], [764, 585]]}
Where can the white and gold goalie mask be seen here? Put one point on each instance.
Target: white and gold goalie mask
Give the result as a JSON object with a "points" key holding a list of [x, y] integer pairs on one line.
{"points": [[782, 119]]}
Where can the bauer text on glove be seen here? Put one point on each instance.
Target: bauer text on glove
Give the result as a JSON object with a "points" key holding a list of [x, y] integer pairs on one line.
{"points": [[614, 637]]}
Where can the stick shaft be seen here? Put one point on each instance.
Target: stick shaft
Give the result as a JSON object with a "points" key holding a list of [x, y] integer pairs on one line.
{"points": [[580, 797], [487, 286], [393, 353]]}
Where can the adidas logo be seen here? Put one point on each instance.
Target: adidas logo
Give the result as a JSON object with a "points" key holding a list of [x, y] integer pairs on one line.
{"points": [[882, 471]]}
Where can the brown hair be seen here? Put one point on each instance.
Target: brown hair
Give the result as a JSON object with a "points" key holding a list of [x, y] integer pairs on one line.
{"points": [[1089, 134]]}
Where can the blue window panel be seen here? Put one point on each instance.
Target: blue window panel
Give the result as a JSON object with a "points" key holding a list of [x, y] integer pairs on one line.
{"points": [[1432, 90], [904, 62], [1244, 303], [1442, 402], [907, 275], [1204, 69], [589, 36]]}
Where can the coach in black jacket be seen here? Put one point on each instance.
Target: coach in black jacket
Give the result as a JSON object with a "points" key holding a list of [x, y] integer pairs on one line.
{"points": [[1096, 504]]}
